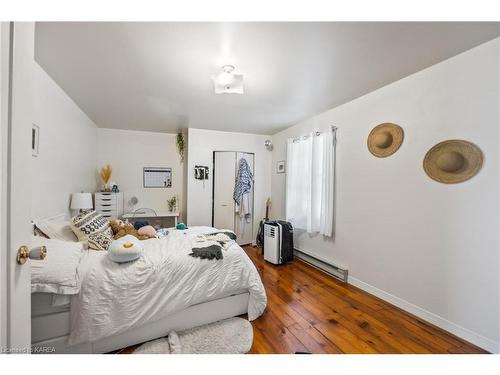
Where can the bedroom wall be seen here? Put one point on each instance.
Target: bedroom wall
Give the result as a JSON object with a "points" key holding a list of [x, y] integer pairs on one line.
{"points": [[67, 145], [129, 152], [201, 145], [427, 247]]}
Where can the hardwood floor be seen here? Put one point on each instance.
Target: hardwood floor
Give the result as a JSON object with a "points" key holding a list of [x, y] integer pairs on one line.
{"points": [[309, 311]]}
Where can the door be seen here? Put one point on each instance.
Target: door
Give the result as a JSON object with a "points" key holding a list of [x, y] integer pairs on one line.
{"points": [[17, 53], [224, 176], [244, 227]]}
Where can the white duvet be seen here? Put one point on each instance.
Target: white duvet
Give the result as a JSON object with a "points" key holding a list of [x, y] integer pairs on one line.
{"points": [[117, 297]]}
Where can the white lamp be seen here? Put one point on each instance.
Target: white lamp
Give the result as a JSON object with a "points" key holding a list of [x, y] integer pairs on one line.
{"points": [[81, 201]]}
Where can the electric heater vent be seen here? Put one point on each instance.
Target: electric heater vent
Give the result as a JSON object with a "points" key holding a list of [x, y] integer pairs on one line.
{"points": [[338, 272]]}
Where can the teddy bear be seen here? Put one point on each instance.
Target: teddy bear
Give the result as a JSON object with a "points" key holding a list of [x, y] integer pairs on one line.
{"points": [[121, 228]]}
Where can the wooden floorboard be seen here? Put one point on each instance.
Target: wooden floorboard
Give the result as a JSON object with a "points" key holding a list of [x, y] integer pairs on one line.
{"points": [[310, 311]]}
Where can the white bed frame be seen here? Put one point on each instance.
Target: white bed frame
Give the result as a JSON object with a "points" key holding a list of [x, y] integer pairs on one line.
{"points": [[50, 330], [50, 325]]}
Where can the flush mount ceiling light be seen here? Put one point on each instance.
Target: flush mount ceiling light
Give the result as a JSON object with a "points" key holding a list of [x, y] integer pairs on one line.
{"points": [[228, 82]]}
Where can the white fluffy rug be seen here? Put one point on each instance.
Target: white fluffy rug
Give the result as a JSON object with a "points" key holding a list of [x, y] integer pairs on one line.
{"points": [[230, 336]]}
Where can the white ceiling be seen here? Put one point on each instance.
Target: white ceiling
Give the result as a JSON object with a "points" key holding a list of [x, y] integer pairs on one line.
{"points": [[156, 76]]}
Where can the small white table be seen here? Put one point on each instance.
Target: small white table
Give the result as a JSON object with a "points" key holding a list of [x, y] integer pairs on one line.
{"points": [[150, 214]]}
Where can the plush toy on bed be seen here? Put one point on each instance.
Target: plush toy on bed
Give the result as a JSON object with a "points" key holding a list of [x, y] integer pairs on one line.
{"points": [[125, 249], [147, 230], [121, 228]]}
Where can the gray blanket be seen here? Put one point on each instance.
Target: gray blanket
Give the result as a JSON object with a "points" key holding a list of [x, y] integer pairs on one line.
{"points": [[210, 246]]}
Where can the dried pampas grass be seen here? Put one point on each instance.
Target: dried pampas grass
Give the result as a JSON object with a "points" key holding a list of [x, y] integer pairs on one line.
{"points": [[105, 174]]}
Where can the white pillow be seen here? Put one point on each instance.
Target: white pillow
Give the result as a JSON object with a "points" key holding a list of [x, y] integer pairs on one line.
{"points": [[57, 273], [125, 249], [56, 229]]}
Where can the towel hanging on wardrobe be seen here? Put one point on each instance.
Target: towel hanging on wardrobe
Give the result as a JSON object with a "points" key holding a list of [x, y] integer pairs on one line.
{"points": [[242, 188]]}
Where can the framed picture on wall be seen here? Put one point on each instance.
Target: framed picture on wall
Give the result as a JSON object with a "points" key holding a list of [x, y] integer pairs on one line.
{"points": [[155, 177], [280, 167]]}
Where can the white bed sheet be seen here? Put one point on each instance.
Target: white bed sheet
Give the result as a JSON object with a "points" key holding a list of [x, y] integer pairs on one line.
{"points": [[115, 297]]}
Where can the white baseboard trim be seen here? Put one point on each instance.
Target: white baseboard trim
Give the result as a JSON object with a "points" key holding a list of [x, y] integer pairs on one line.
{"points": [[464, 333]]}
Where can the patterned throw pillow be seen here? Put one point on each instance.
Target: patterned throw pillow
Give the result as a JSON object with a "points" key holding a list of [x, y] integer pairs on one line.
{"points": [[100, 241], [94, 228]]}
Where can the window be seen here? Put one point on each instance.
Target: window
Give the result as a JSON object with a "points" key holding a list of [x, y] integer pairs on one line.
{"points": [[310, 182]]}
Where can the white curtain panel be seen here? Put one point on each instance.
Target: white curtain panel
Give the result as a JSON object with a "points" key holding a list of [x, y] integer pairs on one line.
{"points": [[298, 182], [310, 182]]}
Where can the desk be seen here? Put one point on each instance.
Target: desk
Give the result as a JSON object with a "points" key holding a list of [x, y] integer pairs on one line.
{"points": [[149, 214]]}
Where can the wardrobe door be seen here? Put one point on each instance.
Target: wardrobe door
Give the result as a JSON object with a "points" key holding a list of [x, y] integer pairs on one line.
{"points": [[244, 227], [224, 176]]}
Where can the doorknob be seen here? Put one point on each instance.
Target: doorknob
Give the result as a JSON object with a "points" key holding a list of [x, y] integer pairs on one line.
{"points": [[23, 253]]}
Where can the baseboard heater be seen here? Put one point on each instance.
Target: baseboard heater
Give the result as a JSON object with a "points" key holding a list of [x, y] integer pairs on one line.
{"points": [[331, 269]]}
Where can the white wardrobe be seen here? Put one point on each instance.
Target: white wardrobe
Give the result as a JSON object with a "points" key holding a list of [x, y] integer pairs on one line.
{"points": [[224, 215]]}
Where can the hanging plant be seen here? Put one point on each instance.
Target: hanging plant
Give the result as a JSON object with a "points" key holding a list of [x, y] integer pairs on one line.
{"points": [[172, 203], [180, 145]]}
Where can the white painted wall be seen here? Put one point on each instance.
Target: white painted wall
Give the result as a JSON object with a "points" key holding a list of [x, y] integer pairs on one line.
{"points": [[67, 159], [129, 152], [428, 247], [201, 145]]}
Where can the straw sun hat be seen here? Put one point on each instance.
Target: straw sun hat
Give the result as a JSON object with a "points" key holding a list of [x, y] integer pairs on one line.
{"points": [[453, 161], [385, 139]]}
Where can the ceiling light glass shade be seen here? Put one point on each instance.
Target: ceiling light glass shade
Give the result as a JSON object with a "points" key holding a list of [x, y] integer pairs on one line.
{"points": [[228, 82], [225, 79]]}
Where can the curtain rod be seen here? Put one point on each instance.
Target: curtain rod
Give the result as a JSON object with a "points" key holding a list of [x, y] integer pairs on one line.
{"points": [[333, 128]]}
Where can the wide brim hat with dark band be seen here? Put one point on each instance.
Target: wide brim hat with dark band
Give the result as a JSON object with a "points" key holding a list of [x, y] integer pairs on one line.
{"points": [[385, 139], [453, 161]]}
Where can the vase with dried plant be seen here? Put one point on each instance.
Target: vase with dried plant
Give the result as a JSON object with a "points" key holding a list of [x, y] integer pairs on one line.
{"points": [[105, 174]]}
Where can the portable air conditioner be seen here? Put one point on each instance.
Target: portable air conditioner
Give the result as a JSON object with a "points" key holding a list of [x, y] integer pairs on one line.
{"points": [[272, 244], [278, 242]]}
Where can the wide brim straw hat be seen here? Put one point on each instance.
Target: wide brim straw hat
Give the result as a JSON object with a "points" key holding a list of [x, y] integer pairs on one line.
{"points": [[385, 139], [453, 161]]}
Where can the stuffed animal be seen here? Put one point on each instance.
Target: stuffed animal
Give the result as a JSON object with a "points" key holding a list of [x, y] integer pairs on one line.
{"points": [[147, 230], [126, 249], [121, 228]]}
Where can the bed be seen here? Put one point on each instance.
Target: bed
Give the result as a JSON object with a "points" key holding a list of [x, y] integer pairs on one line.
{"points": [[119, 305]]}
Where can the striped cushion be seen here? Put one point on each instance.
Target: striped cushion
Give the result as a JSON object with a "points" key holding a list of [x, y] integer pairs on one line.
{"points": [[94, 228]]}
